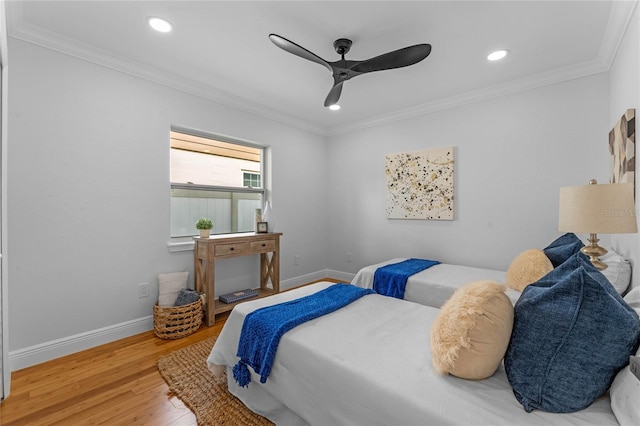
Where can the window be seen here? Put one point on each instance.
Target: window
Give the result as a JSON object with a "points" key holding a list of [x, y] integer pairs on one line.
{"points": [[251, 179], [216, 178]]}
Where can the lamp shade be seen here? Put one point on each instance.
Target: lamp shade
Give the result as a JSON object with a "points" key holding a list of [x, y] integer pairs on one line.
{"points": [[598, 209]]}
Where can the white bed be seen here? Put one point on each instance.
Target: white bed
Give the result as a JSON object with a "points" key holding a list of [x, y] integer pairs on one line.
{"points": [[435, 285], [370, 364]]}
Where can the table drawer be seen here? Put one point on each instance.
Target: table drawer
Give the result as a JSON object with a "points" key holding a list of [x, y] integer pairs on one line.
{"points": [[231, 249], [265, 245]]}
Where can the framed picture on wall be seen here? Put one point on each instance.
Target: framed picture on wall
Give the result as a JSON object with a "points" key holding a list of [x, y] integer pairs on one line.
{"points": [[420, 184], [622, 149]]}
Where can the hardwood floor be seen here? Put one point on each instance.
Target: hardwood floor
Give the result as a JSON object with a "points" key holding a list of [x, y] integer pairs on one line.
{"points": [[113, 384]]}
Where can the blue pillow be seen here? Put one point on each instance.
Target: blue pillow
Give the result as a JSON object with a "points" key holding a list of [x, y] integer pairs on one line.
{"points": [[187, 297], [572, 333], [563, 248]]}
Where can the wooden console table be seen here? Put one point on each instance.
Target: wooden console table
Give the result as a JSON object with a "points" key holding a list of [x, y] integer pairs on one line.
{"points": [[208, 250]]}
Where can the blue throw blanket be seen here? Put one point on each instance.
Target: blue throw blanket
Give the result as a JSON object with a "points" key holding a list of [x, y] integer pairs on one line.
{"points": [[263, 328], [391, 280]]}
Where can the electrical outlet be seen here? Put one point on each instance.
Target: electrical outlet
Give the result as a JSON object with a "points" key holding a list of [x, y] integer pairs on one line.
{"points": [[296, 260], [348, 257], [143, 290]]}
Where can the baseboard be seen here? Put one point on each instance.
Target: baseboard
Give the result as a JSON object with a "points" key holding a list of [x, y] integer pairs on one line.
{"points": [[26, 357], [47, 351], [315, 276], [342, 276]]}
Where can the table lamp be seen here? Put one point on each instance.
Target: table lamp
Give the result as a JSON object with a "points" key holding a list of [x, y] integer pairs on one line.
{"points": [[597, 209]]}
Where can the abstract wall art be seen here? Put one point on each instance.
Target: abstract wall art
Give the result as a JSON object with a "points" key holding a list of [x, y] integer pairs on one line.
{"points": [[420, 184], [622, 149]]}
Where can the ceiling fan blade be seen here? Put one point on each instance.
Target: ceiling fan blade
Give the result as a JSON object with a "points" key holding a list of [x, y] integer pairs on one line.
{"points": [[298, 50], [334, 94], [396, 59]]}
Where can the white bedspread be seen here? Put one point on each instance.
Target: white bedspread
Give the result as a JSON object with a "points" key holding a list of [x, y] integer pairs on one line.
{"points": [[435, 285], [370, 364]]}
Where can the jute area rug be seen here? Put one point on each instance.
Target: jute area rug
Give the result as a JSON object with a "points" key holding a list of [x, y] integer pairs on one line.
{"points": [[188, 377]]}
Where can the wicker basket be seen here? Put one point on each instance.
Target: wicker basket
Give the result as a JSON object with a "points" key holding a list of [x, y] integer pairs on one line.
{"points": [[174, 322]]}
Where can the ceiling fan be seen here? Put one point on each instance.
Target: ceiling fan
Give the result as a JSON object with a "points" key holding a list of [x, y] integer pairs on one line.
{"points": [[344, 70]]}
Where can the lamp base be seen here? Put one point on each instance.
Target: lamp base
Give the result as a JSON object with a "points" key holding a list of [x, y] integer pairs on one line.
{"points": [[593, 251]]}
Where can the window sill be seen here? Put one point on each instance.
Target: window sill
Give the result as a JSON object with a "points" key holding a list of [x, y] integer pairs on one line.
{"points": [[178, 246]]}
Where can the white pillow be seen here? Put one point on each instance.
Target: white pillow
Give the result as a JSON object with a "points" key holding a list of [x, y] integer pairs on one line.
{"points": [[513, 295], [618, 270], [625, 389], [169, 285]]}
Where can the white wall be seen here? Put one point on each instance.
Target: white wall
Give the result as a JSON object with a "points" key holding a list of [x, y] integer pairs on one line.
{"points": [[88, 198], [512, 154], [624, 82], [88, 189]]}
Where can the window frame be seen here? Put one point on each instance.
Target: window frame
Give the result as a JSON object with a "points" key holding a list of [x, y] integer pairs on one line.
{"points": [[219, 188]]}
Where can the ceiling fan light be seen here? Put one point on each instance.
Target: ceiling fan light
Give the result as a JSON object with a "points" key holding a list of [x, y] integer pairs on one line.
{"points": [[159, 24], [344, 70], [497, 55]]}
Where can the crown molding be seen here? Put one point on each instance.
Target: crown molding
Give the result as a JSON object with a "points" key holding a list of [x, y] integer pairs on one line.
{"points": [[619, 18], [20, 30], [539, 80]]}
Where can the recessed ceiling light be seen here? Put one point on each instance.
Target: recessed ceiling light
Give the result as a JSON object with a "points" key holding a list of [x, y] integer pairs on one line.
{"points": [[159, 24], [334, 107], [497, 55]]}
